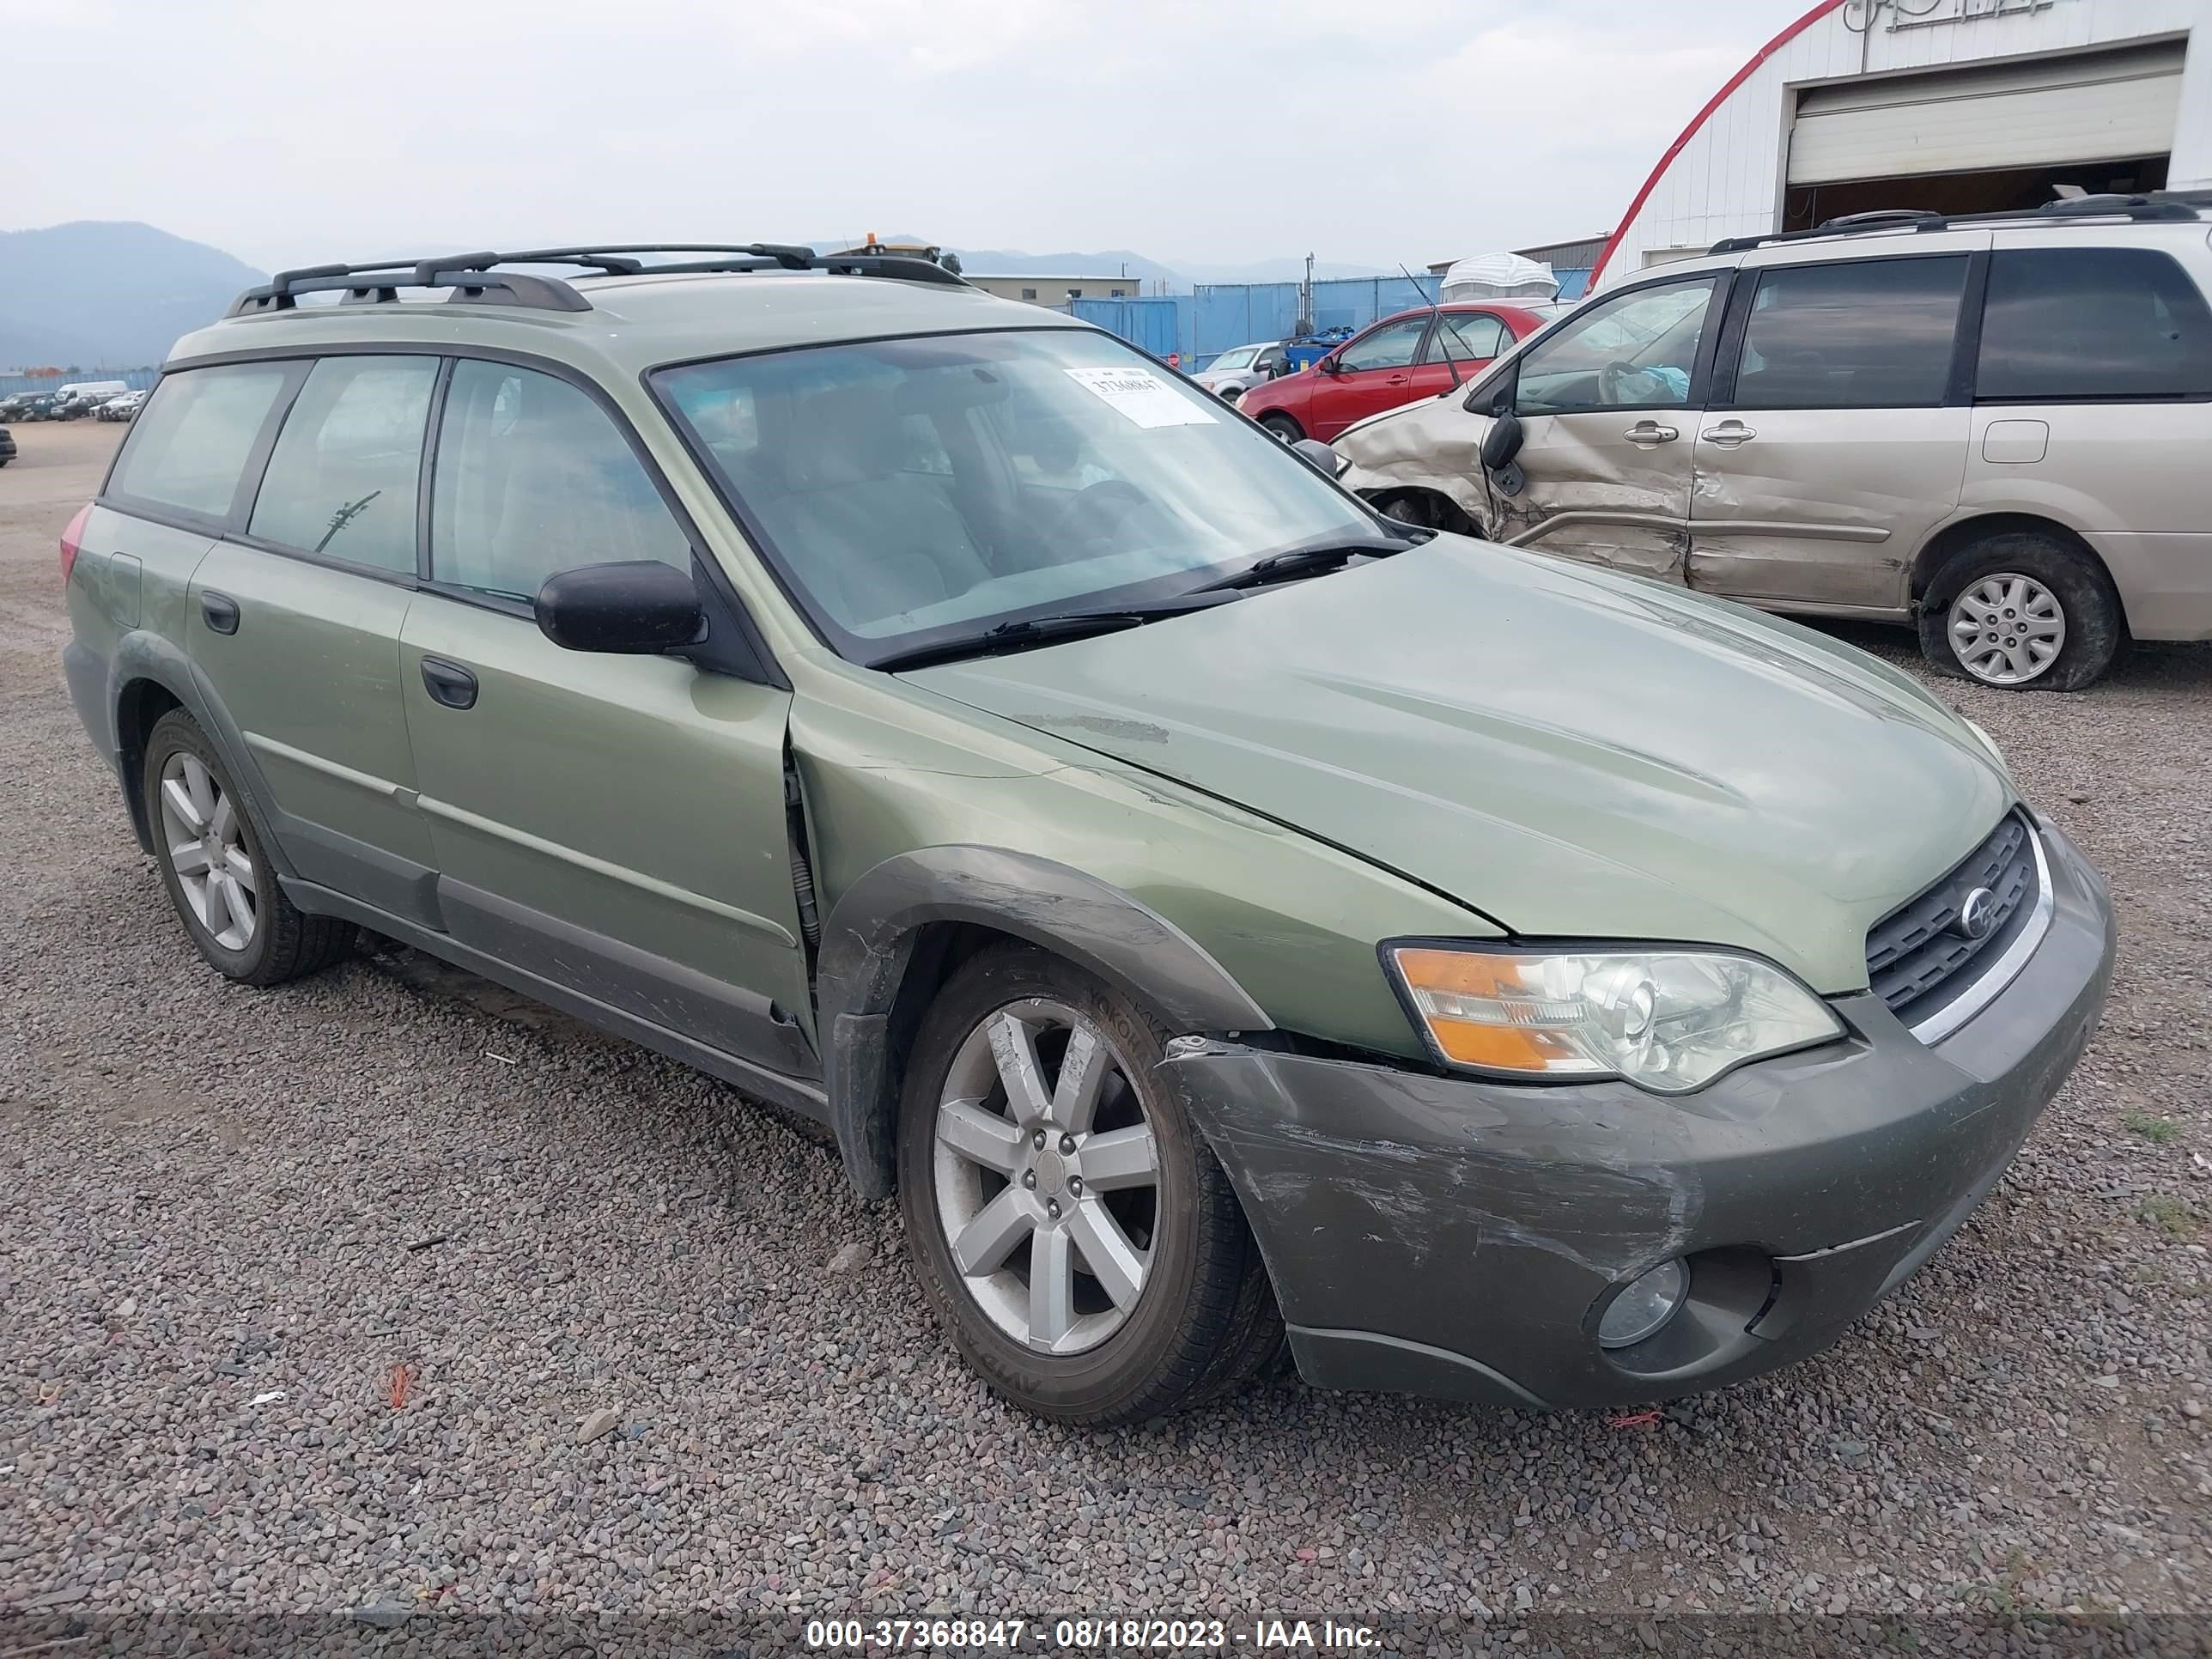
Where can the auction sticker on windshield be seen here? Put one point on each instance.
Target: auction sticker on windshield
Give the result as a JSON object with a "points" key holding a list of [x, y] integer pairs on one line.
{"points": [[1140, 396]]}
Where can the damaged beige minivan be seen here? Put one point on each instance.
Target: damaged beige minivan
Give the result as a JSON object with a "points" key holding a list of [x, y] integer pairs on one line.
{"points": [[1993, 428]]}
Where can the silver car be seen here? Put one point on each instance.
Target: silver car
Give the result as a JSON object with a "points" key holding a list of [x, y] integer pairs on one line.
{"points": [[1990, 428]]}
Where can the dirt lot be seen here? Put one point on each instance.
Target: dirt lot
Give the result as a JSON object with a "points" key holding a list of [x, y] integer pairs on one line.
{"points": [[232, 1216]]}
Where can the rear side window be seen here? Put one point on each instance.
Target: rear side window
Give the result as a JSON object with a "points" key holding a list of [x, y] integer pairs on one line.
{"points": [[532, 478], [1871, 334], [342, 479], [1466, 337], [2092, 322], [189, 446], [1391, 346]]}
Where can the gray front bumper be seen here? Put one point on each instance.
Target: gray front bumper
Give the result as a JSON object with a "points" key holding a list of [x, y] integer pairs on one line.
{"points": [[1444, 1236]]}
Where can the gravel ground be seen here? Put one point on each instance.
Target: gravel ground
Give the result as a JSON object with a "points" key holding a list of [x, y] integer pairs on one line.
{"points": [[307, 1294]]}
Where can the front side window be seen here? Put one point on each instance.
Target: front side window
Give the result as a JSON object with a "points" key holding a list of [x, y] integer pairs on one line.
{"points": [[189, 446], [2092, 322], [1864, 334], [1466, 336], [1636, 351], [342, 479], [1391, 346], [532, 477], [908, 491]]}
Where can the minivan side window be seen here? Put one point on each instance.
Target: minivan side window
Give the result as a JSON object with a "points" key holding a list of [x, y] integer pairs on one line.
{"points": [[188, 449], [1636, 351], [342, 479], [531, 478], [1861, 334], [2071, 323]]}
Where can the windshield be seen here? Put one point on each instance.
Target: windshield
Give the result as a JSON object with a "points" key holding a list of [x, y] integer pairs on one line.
{"points": [[1240, 358], [914, 490]]}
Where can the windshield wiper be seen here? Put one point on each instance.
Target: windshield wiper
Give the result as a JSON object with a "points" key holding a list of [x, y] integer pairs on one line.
{"points": [[1301, 562], [1037, 630]]}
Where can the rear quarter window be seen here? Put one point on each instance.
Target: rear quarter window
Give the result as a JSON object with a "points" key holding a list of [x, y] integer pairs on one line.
{"points": [[2092, 322], [189, 447]]}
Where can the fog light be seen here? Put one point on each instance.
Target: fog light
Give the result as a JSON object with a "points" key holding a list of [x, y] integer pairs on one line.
{"points": [[1648, 1303]]}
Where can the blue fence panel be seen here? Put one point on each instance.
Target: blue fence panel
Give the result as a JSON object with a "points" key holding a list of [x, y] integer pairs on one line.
{"points": [[1150, 325], [137, 379], [1228, 314]]}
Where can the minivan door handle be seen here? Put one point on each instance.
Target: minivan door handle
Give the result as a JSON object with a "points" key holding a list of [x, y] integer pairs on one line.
{"points": [[449, 683], [1645, 433], [219, 612], [1727, 434]]}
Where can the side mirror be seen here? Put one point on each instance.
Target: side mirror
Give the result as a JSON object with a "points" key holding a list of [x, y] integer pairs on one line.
{"points": [[1320, 458], [635, 607], [1329, 366], [1502, 442]]}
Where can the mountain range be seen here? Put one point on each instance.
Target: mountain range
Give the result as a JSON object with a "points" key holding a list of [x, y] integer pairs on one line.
{"points": [[108, 295], [98, 293]]}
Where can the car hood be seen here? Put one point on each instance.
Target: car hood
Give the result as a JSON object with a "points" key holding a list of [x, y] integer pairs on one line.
{"points": [[1571, 753]]}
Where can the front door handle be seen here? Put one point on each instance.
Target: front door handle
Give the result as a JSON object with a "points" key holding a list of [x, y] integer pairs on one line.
{"points": [[1727, 434], [449, 683], [219, 612], [1645, 433]]}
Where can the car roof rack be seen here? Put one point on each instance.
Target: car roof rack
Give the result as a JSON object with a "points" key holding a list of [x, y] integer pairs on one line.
{"points": [[480, 278], [2161, 205]]}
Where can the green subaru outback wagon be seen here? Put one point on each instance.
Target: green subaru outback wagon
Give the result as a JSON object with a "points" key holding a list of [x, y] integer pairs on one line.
{"points": [[1219, 913]]}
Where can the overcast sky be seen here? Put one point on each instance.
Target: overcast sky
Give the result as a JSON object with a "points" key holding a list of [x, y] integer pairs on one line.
{"points": [[289, 132]]}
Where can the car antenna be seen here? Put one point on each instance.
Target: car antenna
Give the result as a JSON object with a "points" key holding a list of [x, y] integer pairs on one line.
{"points": [[1436, 311]]}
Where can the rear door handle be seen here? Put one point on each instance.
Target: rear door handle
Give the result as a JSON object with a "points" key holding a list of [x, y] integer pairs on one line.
{"points": [[449, 683], [1727, 434], [219, 612], [1651, 432]]}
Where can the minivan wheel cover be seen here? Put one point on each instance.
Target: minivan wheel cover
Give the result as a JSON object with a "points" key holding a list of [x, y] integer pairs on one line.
{"points": [[2007, 628], [1047, 1177], [206, 847]]}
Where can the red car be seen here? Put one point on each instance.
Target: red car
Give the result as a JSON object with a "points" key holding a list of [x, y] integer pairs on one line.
{"points": [[1396, 361]]}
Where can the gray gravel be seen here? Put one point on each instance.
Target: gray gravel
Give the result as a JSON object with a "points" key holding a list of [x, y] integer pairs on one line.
{"points": [[657, 1358]]}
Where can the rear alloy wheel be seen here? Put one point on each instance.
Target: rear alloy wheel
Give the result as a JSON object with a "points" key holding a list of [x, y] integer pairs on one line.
{"points": [[2022, 610], [212, 863], [2007, 628], [1068, 1224], [204, 840]]}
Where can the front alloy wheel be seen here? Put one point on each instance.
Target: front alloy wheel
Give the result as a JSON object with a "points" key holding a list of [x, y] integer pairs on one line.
{"points": [[2007, 628], [1066, 1219], [1047, 1177]]}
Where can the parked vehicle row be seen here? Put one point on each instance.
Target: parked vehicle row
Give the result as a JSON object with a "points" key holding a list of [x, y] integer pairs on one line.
{"points": [[122, 407], [1217, 911], [1990, 429], [67, 403]]}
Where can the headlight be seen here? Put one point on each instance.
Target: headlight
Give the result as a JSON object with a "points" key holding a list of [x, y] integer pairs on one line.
{"points": [[1668, 1021]]}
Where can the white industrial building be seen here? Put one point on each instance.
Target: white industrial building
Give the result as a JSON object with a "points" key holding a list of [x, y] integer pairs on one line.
{"points": [[1951, 106]]}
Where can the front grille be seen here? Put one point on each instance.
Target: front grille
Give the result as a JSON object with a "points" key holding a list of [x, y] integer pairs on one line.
{"points": [[1919, 957]]}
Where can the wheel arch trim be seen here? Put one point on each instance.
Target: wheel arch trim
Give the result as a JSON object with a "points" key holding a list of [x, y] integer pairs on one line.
{"points": [[143, 656], [868, 947]]}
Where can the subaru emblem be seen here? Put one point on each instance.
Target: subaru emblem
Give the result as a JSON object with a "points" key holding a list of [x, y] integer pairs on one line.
{"points": [[1978, 914]]}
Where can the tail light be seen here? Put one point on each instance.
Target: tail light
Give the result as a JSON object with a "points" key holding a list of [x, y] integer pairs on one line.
{"points": [[72, 539]]}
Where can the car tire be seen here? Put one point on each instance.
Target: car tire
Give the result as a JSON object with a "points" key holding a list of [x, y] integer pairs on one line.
{"points": [[1199, 1316], [236, 914], [1284, 427], [2070, 622]]}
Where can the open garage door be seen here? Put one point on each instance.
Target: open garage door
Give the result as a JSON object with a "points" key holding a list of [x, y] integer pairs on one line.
{"points": [[1984, 137]]}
